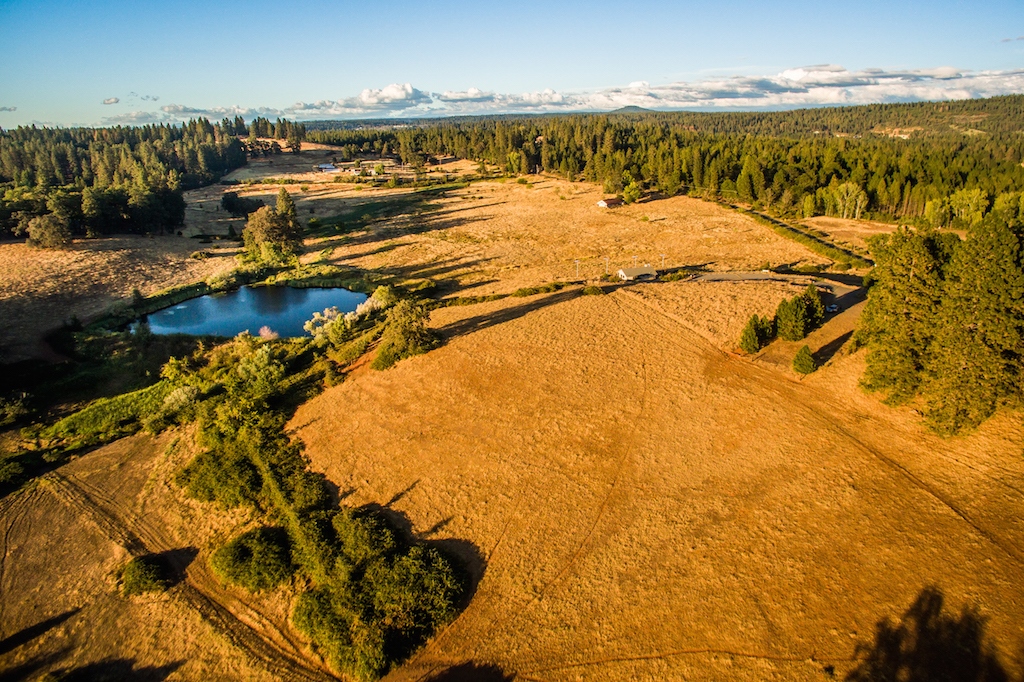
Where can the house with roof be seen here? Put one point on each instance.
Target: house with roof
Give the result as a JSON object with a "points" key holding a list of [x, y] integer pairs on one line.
{"points": [[637, 274]]}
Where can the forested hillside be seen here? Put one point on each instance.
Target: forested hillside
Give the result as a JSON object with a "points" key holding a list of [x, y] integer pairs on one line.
{"points": [[94, 181], [935, 164]]}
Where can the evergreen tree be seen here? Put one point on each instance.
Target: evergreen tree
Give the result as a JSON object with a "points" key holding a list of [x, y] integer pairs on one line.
{"points": [[814, 307], [791, 319], [899, 320], [803, 361], [631, 193], [286, 206], [756, 335], [979, 344], [749, 342]]}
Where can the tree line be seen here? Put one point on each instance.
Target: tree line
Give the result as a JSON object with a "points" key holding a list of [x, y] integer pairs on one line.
{"points": [[123, 179], [962, 159]]}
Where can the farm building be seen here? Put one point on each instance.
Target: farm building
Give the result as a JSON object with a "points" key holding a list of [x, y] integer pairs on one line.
{"points": [[631, 274], [327, 168], [610, 202]]}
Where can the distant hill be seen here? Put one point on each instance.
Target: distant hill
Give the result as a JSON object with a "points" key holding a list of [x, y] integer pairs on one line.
{"points": [[631, 110]]}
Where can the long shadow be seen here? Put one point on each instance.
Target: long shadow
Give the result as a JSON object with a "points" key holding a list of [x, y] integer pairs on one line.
{"points": [[826, 352], [471, 672], [175, 563], [116, 669], [26, 635], [479, 322], [851, 298], [30, 669], [929, 645]]}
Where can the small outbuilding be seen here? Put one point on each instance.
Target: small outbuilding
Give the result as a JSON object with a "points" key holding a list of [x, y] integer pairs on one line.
{"points": [[635, 274], [610, 202], [327, 168]]}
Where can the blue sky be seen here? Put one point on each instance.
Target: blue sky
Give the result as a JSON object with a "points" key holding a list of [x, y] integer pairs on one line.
{"points": [[341, 59]]}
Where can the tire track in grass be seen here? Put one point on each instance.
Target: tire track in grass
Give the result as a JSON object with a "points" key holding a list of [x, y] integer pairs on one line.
{"points": [[570, 562], [243, 636], [13, 510]]}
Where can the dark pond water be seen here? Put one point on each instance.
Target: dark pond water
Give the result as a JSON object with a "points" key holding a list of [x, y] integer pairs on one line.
{"points": [[283, 309]]}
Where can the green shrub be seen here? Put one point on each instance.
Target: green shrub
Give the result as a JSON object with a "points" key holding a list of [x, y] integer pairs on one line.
{"points": [[803, 362], [593, 291], [259, 559], [405, 334], [143, 574], [352, 350], [363, 627], [108, 419], [13, 408], [542, 289]]}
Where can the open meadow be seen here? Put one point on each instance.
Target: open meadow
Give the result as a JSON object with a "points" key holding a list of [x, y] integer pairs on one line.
{"points": [[633, 498]]}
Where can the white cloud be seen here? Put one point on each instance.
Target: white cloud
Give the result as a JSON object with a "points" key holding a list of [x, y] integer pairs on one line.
{"points": [[112, 100], [471, 95], [134, 118], [823, 84]]}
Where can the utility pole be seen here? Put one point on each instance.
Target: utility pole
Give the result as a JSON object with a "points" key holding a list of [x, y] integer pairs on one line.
{"points": [[577, 268], [634, 261], [606, 265], [662, 261]]}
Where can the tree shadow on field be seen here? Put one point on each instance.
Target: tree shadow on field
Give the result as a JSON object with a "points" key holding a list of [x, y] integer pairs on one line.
{"points": [[469, 558], [115, 670], [480, 322], [26, 635], [471, 672], [928, 645], [826, 352], [175, 563]]}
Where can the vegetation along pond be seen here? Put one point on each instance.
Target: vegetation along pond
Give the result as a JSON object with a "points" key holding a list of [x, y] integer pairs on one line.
{"points": [[282, 309]]}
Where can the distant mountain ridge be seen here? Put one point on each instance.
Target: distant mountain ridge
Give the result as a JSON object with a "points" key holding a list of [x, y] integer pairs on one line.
{"points": [[991, 116]]}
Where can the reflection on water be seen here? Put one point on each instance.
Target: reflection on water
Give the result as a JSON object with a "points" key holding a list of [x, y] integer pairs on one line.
{"points": [[283, 309]]}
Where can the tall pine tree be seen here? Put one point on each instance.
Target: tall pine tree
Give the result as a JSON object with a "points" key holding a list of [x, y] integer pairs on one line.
{"points": [[899, 319], [979, 344]]}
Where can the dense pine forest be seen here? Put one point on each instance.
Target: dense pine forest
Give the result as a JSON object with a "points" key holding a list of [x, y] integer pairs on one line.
{"points": [[937, 164], [95, 181]]}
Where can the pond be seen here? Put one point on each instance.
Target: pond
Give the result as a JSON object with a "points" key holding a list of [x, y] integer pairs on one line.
{"points": [[283, 309]]}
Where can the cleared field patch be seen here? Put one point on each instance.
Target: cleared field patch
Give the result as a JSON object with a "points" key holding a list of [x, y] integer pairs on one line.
{"points": [[854, 233]]}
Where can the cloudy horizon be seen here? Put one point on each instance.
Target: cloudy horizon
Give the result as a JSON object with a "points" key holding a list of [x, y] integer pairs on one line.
{"points": [[800, 87], [110, 62]]}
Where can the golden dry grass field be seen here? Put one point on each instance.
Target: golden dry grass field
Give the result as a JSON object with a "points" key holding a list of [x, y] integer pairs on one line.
{"points": [[41, 289], [635, 500]]}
